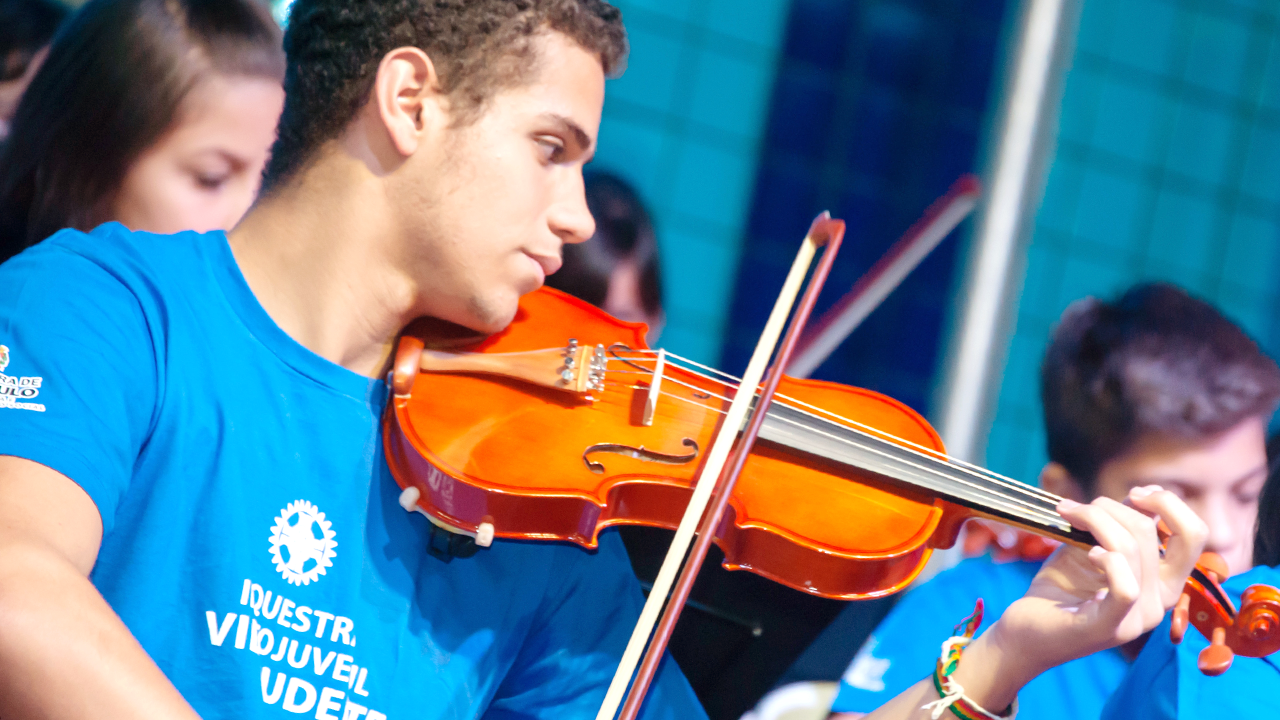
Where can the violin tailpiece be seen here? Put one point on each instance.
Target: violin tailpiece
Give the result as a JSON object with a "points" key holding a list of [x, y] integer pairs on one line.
{"points": [[579, 369]]}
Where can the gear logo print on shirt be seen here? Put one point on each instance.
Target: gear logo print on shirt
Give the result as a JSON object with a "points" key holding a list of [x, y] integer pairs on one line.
{"points": [[302, 543]]}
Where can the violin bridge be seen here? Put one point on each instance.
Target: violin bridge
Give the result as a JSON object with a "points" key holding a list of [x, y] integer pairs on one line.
{"points": [[655, 389], [575, 368]]}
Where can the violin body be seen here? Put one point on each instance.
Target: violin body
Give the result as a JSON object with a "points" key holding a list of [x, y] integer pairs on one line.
{"points": [[490, 453]]}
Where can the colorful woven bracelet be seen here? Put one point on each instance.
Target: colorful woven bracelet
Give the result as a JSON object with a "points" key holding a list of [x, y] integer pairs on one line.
{"points": [[950, 694]]}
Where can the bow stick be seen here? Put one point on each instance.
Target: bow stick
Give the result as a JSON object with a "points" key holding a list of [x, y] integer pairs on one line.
{"points": [[823, 231], [826, 334]]}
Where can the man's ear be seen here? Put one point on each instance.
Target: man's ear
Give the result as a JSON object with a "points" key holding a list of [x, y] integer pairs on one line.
{"points": [[408, 97], [1055, 478]]}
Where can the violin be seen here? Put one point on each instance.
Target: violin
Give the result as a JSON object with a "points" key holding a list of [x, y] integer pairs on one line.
{"points": [[566, 422]]}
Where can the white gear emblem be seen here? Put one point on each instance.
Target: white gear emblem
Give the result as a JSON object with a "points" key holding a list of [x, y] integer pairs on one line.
{"points": [[302, 543]]}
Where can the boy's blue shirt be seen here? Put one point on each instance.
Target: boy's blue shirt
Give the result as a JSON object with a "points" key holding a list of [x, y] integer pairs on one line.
{"points": [[904, 648], [252, 540], [1166, 682]]}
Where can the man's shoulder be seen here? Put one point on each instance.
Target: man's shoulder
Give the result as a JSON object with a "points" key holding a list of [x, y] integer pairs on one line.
{"points": [[72, 270], [900, 650], [1260, 575], [931, 607], [116, 247], [1166, 681], [998, 583]]}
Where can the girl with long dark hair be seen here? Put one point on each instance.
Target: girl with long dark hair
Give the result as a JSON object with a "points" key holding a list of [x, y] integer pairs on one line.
{"points": [[155, 113]]}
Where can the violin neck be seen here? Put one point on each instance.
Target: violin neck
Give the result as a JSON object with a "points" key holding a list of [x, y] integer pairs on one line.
{"points": [[982, 491]]}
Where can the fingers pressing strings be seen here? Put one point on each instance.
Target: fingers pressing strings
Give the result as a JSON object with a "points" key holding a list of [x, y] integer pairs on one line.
{"points": [[1188, 532]]}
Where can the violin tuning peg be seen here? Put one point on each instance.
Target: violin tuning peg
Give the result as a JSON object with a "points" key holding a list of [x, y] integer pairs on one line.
{"points": [[1215, 659], [1181, 618], [1213, 564]]}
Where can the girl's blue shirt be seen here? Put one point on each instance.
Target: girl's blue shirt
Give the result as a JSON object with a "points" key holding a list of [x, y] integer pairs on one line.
{"points": [[1166, 682]]}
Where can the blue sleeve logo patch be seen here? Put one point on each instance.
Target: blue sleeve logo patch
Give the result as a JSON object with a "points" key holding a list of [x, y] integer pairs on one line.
{"points": [[17, 392]]}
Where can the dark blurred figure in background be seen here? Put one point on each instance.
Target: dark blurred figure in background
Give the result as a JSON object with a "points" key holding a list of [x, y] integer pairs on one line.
{"points": [[1266, 542], [155, 113], [26, 27], [617, 269]]}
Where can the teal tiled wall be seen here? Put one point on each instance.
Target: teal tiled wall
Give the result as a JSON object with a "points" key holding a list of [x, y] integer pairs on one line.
{"points": [[1167, 166], [683, 124]]}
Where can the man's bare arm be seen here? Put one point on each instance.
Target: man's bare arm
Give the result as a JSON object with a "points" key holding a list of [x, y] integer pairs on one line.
{"points": [[63, 652]]}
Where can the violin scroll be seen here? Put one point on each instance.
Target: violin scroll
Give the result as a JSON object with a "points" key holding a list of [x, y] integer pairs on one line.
{"points": [[1252, 631], [1259, 618]]}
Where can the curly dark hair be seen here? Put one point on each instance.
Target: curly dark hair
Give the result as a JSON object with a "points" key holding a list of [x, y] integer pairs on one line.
{"points": [[1156, 361], [334, 48]]}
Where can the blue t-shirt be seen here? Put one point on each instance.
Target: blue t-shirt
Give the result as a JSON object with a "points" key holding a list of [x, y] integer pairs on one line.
{"points": [[252, 538], [1166, 681], [905, 647]]}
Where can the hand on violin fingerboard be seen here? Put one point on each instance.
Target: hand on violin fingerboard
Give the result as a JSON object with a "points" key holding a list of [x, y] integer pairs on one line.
{"points": [[1081, 601]]}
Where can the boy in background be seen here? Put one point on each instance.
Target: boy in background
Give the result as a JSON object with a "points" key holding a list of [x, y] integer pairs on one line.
{"points": [[1155, 388]]}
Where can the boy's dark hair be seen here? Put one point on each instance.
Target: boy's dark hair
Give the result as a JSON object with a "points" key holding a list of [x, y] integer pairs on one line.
{"points": [[1156, 361], [112, 85], [334, 48], [25, 27], [624, 232]]}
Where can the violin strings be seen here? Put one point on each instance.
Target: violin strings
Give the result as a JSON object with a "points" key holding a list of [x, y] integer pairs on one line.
{"points": [[980, 474], [988, 475], [983, 473], [1027, 507], [1013, 505]]}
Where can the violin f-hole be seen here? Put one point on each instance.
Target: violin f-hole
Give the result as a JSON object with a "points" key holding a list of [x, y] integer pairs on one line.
{"points": [[639, 453]]}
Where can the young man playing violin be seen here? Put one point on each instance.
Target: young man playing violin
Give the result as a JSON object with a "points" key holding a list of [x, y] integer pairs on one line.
{"points": [[195, 518], [1156, 387]]}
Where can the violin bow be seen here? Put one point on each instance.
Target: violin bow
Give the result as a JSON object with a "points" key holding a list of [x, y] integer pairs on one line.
{"points": [[711, 482], [826, 333]]}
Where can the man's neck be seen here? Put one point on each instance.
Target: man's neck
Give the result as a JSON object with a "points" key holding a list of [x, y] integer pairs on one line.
{"points": [[312, 254]]}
